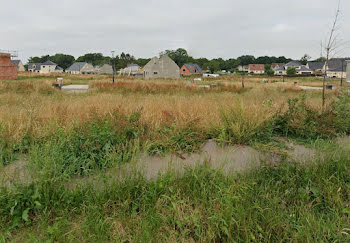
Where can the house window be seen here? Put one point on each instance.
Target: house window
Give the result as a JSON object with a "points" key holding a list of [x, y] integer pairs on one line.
{"points": [[43, 66], [155, 73], [184, 70]]}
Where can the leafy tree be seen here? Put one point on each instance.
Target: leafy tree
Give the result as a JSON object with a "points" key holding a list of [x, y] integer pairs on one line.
{"points": [[268, 70], [305, 59], [179, 56], [142, 61], [63, 60], [214, 66], [246, 60], [93, 58], [291, 71]]}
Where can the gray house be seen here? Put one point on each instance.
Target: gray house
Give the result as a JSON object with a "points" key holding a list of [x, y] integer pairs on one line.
{"points": [[19, 64], [162, 67], [106, 69], [81, 68]]}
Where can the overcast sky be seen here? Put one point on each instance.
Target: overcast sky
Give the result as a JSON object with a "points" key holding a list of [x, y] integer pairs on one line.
{"points": [[206, 28]]}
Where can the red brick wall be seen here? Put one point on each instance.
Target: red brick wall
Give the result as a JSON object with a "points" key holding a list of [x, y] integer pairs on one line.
{"points": [[184, 71], [7, 69]]}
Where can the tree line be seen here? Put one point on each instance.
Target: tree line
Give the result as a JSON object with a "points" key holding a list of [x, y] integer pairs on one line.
{"points": [[180, 56]]}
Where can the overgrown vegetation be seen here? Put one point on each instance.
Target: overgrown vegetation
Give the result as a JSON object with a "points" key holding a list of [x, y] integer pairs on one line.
{"points": [[290, 202], [77, 137]]}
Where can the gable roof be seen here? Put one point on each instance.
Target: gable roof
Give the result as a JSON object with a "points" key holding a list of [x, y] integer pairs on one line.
{"points": [[315, 65], [293, 64], [77, 66], [48, 62], [337, 64], [37, 66], [194, 68], [256, 67], [15, 62], [58, 68]]}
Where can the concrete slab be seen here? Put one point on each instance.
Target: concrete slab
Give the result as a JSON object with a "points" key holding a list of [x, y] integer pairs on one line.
{"points": [[75, 88]]}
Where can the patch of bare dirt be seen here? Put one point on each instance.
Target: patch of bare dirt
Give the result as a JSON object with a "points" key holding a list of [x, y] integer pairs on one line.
{"points": [[15, 172]]}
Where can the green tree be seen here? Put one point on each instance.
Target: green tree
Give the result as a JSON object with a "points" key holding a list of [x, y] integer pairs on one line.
{"points": [[305, 59], [291, 71], [214, 66], [179, 56], [268, 70], [63, 60], [93, 58]]}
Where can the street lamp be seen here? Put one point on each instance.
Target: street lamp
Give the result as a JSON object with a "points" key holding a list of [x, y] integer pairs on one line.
{"points": [[113, 66]]}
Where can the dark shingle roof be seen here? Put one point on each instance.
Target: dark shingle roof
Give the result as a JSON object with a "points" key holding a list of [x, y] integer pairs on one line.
{"points": [[58, 68], [194, 68], [293, 64], [37, 66], [48, 63], [337, 64], [315, 65], [77, 66], [15, 61]]}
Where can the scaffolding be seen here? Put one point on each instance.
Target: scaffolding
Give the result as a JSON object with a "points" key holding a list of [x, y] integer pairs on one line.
{"points": [[12, 53]]}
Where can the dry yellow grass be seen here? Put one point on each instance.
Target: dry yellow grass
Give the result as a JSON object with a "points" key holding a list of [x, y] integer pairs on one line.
{"points": [[32, 105]]}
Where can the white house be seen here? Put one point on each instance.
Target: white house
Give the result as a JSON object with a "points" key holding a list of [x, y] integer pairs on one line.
{"points": [[300, 69], [45, 68]]}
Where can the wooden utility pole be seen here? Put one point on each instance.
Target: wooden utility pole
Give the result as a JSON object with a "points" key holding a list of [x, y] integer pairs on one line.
{"points": [[113, 66], [242, 80]]}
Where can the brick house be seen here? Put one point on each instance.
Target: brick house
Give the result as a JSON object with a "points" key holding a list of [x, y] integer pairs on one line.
{"points": [[256, 68], [8, 70], [190, 69]]}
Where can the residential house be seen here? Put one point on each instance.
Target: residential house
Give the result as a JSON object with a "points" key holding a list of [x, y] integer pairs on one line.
{"points": [[274, 66], [8, 70], [45, 68], [316, 67], [300, 69], [34, 67], [20, 66], [132, 70], [105, 69], [190, 69], [256, 68], [242, 68], [81, 68], [162, 67], [337, 67]]}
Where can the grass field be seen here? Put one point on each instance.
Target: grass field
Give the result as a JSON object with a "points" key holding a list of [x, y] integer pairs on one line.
{"points": [[59, 138]]}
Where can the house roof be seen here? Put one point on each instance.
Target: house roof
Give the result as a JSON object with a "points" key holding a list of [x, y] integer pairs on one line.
{"points": [[37, 66], [293, 64], [337, 64], [315, 65], [256, 67], [77, 66], [193, 68], [48, 63], [280, 68], [132, 68], [277, 65], [15, 61], [303, 68], [58, 68]]}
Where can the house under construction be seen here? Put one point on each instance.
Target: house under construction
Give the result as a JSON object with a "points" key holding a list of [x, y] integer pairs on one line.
{"points": [[8, 70]]}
